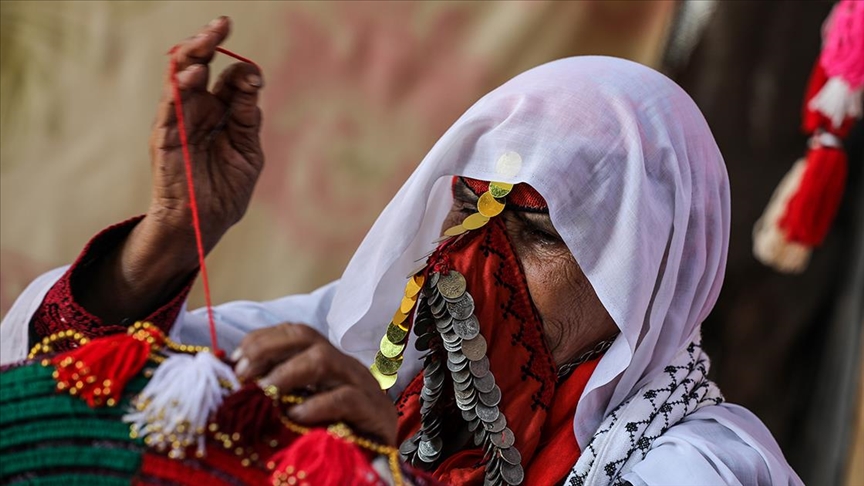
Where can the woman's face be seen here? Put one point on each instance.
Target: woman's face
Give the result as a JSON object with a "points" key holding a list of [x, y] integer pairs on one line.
{"points": [[574, 320]]}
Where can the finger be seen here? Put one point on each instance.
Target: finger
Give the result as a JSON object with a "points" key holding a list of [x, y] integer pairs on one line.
{"points": [[194, 77], [320, 366], [238, 87], [200, 48], [195, 51], [262, 349], [351, 405]]}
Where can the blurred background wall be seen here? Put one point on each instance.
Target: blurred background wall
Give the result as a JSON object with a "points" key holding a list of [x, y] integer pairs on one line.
{"points": [[357, 92]]}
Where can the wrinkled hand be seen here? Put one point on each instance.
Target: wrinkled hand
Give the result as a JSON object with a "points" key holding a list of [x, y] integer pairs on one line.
{"points": [[223, 132], [222, 126], [296, 357]]}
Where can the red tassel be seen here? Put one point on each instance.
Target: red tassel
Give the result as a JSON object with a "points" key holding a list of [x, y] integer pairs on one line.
{"points": [[99, 370], [812, 208], [320, 458], [247, 419]]}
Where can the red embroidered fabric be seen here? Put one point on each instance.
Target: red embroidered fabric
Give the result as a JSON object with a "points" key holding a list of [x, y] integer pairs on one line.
{"points": [[522, 197], [60, 310], [539, 411]]}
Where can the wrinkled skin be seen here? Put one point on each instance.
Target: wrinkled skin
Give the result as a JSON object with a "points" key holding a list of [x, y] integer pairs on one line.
{"points": [[159, 256]]}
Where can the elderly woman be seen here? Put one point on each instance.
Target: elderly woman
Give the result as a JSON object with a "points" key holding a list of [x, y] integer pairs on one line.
{"points": [[551, 336]]}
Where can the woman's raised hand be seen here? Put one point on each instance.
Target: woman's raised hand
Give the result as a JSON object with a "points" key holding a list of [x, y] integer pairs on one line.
{"points": [[296, 357], [222, 127]]}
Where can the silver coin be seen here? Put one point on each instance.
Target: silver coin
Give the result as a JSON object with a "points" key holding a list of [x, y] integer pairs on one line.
{"points": [[491, 398], [485, 384], [438, 308], [426, 407], [462, 308], [428, 395], [503, 439], [479, 436], [430, 448], [424, 342], [511, 455], [432, 280], [487, 414], [472, 425], [431, 433], [468, 415], [467, 403], [474, 349], [496, 425], [408, 447], [453, 347], [456, 357], [464, 386], [434, 298], [480, 368], [434, 380], [450, 337], [492, 467], [443, 322], [465, 395], [467, 328], [512, 474], [431, 365], [457, 366], [461, 376]]}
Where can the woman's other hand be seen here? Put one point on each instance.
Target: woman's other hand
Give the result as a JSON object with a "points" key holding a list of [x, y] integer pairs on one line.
{"points": [[296, 357]]}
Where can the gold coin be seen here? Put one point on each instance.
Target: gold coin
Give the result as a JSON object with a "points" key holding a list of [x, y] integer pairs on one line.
{"points": [[386, 365], [399, 317], [452, 285], [475, 221], [390, 350], [420, 279], [384, 381], [500, 189], [407, 304], [396, 333], [489, 206], [411, 288], [455, 230]]}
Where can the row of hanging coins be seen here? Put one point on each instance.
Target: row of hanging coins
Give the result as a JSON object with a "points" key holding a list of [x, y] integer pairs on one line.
{"points": [[389, 358], [474, 389], [424, 449], [490, 204]]}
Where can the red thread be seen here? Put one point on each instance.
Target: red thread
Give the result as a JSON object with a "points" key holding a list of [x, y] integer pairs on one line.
{"points": [[187, 162]]}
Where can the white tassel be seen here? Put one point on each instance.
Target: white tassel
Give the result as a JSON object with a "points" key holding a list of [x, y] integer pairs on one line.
{"points": [[770, 245], [172, 411], [837, 101]]}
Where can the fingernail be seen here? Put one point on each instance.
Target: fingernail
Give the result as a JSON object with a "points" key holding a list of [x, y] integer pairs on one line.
{"points": [[297, 411], [242, 367], [254, 80], [237, 354], [218, 20]]}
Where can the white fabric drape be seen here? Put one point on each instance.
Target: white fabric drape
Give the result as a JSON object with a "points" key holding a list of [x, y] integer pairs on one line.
{"points": [[637, 188]]}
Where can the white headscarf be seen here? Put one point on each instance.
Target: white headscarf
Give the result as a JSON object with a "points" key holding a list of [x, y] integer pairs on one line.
{"points": [[637, 188], [635, 184]]}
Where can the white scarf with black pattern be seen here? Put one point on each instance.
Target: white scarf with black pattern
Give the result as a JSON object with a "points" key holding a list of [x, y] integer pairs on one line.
{"points": [[626, 435]]}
